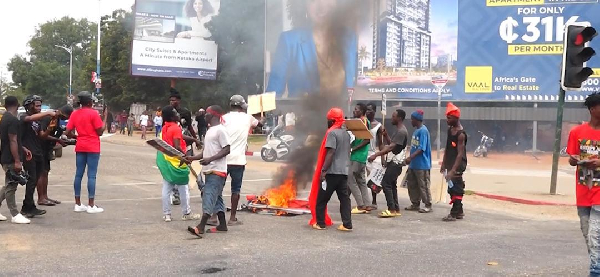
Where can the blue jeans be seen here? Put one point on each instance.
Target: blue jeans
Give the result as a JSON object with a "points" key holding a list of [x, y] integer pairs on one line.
{"points": [[158, 128], [90, 160], [237, 174], [589, 217], [212, 195]]}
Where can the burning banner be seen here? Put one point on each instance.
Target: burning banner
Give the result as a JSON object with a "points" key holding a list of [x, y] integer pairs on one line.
{"points": [[279, 200]]}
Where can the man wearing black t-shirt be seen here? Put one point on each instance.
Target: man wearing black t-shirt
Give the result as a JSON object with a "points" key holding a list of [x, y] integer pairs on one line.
{"points": [[30, 129], [12, 154], [50, 134]]}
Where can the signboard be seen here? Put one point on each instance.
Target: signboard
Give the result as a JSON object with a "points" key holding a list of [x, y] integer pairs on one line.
{"points": [[487, 50], [511, 50], [383, 105], [439, 82], [171, 39]]}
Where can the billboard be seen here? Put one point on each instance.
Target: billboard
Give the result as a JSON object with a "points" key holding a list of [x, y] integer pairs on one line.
{"points": [[512, 50], [171, 39], [468, 50]]}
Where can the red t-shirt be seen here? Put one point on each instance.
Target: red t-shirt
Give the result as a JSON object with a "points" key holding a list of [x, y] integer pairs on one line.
{"points": [[172, 131], [584, 142], [86, 121]]}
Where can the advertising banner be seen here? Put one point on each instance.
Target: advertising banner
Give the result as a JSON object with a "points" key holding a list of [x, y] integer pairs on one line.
{"points": [[467, 50], [171, 39], [512, 50]]}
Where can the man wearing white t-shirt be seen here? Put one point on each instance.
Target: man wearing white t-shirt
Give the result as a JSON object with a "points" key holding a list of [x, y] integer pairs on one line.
{"points": [[144, 124], [238, 125]]}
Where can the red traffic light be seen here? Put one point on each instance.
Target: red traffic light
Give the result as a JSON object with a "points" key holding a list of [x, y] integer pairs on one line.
{"points": [[587, 34]]}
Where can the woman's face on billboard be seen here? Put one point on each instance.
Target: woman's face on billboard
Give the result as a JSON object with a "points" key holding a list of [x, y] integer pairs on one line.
{"points": [[320, 10], [198, 6]]}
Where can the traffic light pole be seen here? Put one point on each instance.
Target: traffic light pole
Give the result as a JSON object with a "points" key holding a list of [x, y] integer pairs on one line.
{"points": [[557, 136]]}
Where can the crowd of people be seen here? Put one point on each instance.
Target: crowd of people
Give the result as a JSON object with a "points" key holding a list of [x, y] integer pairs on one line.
{"points": [[344, 162], [27, 144]]}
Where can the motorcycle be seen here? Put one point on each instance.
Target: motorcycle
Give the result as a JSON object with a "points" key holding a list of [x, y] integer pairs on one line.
{"points": [[484, 145], [563, 152], [278, 145]]}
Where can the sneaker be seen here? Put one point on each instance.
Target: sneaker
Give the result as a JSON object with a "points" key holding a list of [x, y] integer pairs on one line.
{"points": [[20, 219], [343, 228], [80, 208], [94, 210], [191, 216], [412, 208], [425, 210], [449, 218], [33, 212], [3, 218], [167, 218]]}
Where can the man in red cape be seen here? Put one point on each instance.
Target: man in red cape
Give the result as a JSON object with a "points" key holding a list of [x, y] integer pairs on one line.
{"points": [[337, 116]]}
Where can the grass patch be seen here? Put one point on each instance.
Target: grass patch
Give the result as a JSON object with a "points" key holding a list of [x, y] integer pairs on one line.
{"points": [[469, 192]]}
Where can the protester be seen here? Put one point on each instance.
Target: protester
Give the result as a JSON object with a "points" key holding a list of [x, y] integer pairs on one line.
{"points": [[144, 123], [238, 124], [201, 123], [333, 162], [158, 123], [454, 162], [419, 161], [130, 124], [30, 136], [50, 133], [583, 149], [358, 159], [12, 153], [375, 145], [217, 146], [175, 175], [185, 122], [123, 122], [396, 144], [89, 127]]}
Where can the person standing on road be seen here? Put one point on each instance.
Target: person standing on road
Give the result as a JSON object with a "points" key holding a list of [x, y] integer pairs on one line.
{"points": [[175, 175], [144, 123], [374, 145], [583, 147], [158, 123], [130, 124], [238, 125], [217, 146], [201, 123], [334, 171], [89, 127], [358, 160], [419, 161], [189, 135], [12, 153], [31, 140], [50, 134], [454, 162], [396, 144], [123, 122]]}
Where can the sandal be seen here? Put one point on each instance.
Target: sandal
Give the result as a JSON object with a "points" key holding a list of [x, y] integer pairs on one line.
{"points": [[46, 202], [234, 222], [215, 230], [55, 201], [358, 211], [386, 214], [192, 231]]}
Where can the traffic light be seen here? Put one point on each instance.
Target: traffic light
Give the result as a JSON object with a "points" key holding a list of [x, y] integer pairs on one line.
{"points": [[576, 54]]}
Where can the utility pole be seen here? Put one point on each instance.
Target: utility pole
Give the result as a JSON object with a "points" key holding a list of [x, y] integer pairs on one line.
{"points": [[98, 52], [70, 51]]}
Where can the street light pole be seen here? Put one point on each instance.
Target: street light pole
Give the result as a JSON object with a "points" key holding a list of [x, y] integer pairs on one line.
{"points": [[98, 50], [70, 50]]}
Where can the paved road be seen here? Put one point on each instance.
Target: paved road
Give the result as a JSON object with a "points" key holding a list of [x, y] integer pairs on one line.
{"points": [[129, 238]]}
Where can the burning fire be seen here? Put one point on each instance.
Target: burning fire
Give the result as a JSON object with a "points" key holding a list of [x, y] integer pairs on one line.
{"points": [[279, 196]]}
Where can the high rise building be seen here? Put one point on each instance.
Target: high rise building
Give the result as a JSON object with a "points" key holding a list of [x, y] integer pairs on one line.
{"points": [[401, 34]]}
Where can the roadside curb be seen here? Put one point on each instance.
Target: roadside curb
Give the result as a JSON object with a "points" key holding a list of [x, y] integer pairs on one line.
{"points": [[253, 154], [520, 200]]}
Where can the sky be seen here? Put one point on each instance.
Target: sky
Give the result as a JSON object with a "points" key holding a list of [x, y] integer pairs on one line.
{"points": [[20, 18]]}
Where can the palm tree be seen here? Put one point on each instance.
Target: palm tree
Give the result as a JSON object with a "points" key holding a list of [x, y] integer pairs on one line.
{"points": [[362, 56]]}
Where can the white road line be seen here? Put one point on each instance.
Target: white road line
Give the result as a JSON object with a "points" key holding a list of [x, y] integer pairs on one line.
{"points": [[156, 183]]}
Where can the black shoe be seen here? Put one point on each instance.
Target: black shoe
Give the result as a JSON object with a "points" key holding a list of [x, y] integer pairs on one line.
{"points": [[32, 213], [449, 218]]}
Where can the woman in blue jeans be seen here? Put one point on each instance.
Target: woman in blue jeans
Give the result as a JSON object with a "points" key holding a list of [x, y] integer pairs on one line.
{"points": [[89, 127]]}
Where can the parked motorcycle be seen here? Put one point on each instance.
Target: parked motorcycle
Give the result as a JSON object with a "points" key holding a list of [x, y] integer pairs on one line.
{"points": [[278, 145], [484, 145], [563, 152]]}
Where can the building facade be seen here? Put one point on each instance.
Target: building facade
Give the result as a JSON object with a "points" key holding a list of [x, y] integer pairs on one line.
{"points": [[401, 33]]}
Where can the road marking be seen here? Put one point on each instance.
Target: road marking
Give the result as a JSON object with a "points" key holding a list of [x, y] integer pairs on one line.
{"points": [[155, 183]]}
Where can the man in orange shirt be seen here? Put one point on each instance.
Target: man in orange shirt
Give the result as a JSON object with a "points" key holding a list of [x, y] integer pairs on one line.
{"points": [[583, 148]]}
